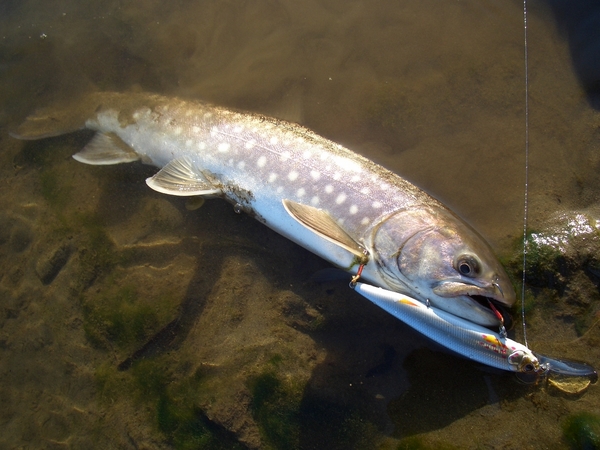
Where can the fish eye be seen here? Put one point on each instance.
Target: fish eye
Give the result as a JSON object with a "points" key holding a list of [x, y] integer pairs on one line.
{"points": [[467, 265]]}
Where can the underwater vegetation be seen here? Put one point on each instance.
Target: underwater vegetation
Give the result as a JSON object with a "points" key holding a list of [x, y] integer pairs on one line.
{"points": [[562, 273], [171, 401], [582, 431], [276, 409]]}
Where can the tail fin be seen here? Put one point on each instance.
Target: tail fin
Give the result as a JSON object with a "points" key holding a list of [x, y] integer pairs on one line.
{"points": [[56, 120]]}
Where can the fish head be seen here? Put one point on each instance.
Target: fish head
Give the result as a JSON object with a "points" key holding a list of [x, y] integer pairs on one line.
{"points": [[433, 255]]}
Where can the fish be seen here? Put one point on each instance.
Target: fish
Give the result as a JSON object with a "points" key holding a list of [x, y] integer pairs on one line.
{"points": [[478, 343], [343, 207]]}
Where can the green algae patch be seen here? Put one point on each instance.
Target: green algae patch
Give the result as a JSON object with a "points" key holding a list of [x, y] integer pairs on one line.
{"points": [[582, 431], [276, 409], [170, 399], [125, 317], [119, 317], [176, 414]]}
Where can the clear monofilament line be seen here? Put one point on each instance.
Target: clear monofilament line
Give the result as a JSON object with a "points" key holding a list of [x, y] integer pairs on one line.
{"points": [[525, 209]]}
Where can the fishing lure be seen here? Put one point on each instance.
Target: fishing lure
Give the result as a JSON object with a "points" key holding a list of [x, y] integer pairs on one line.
{"points": [[470, 340]]}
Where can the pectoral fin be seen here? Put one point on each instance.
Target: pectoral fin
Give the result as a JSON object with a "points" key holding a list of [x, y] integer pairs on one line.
{"points": [[106, 149], [181, 177], [324, 225]]}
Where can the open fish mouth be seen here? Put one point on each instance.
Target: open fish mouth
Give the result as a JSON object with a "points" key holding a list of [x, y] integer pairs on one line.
{"points": [[495, 307], [475, 303]]}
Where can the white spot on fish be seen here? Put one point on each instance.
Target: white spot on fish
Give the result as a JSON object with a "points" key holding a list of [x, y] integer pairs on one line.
{"points": [[261, 161], [250, 144], [223, 147], [207, 115], [337, 176], [365, 191], [365, 221], [272, 177], [189, 112], [293, 175], [285, 156], [376, 204], [347, 164], [188, 143], [238, 129], [340, 198], [355, 178], [314, 201], [195, 129], [323, 156], [353, 209], [315, 175], [202, 145], [274, 140], [280, 189], [307, 154], [136, 115], [329, 189], [300, 192], [241, 165], [177, 131]]}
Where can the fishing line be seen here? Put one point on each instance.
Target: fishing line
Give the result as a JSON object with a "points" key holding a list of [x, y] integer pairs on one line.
{"points": [[526, 205]]}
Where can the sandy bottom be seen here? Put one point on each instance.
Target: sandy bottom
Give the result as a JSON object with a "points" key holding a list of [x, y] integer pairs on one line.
{"points": [[129, 321]]}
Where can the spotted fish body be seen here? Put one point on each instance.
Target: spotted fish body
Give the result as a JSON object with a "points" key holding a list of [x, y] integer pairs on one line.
{"points": [[330, 200]]}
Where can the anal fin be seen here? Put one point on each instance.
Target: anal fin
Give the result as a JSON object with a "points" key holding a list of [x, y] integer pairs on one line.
{"points": [[321, 223], [181, 177], [106, 149]]}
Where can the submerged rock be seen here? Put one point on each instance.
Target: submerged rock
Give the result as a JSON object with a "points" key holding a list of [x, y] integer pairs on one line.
{"points": [[570, 242], [563, 267]]}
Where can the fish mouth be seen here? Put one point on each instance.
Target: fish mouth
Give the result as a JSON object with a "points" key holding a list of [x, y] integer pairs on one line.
{"points": [[496, 307], [476, 304]]}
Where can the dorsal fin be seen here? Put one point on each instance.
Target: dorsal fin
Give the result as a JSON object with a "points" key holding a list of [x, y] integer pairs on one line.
{"points": [[181, 177], [324, 225], [105, 149]]}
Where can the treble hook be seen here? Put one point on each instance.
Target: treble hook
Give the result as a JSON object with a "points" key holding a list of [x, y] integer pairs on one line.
{"points": [[363, 263]]}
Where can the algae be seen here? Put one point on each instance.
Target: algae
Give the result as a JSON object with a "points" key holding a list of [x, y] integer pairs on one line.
{"points": [[275, 407], [170, 400], [582, 431]]}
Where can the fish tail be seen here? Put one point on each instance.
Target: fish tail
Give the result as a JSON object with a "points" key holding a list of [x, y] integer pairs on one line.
{"points": [[58, 119]]}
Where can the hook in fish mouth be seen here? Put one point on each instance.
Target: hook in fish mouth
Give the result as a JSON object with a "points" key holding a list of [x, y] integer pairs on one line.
{"points": [[491, 303], [498, 306]]}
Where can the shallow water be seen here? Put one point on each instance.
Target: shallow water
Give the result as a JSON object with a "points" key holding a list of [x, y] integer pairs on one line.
{"points": [[130, 321]]}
